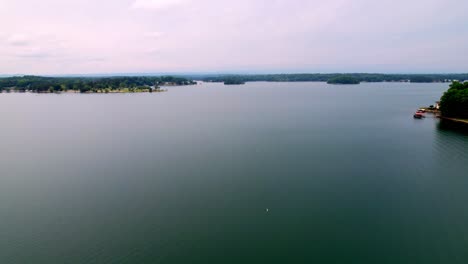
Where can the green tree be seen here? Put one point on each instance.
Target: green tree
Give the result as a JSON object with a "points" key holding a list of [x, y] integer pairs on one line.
{"points": [[454, 102]]}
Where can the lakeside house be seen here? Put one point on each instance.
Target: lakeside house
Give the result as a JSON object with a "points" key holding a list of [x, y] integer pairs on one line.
{"points": [[437, 105]]}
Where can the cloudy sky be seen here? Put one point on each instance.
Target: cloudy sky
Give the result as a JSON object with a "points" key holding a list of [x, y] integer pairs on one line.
{"points": [[135, 36]]}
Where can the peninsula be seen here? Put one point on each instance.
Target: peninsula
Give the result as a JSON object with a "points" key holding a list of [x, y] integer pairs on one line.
{"points": [[38, 84]]}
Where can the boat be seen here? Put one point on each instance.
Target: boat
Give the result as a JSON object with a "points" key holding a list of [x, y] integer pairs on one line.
{"points": [[418, 115]]}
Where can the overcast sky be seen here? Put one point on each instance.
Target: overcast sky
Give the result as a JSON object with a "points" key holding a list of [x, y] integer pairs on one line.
{"points": [[135, 36]]}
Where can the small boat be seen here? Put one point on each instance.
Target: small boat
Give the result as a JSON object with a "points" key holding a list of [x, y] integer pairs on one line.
{"points": [[418, 115]]}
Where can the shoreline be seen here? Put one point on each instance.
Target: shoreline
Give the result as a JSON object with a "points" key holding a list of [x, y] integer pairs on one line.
{"points": [[455, 120], [123, 91]]}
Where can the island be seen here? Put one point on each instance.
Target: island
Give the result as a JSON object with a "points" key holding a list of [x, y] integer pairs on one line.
{"points": [[343, 80], [134, 84], [454, 103]]}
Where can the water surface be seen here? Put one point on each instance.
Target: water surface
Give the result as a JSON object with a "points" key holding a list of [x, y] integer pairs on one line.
{"points": [[187, 176]]}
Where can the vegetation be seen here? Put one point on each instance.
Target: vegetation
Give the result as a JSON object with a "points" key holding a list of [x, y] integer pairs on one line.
{"points": [[317, 77], [421, 79], [233, 81], [88, 85], [343, 80], [454, 102]]}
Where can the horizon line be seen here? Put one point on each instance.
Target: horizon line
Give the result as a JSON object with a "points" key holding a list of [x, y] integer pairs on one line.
{"points": [[130, 74]]}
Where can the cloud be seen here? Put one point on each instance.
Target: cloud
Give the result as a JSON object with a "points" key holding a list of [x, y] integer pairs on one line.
{"points": [[35, 53], [97, 59], [217, 35], [155, 4], [154, 34], [153, 51], [32, 45], [18, 40]]}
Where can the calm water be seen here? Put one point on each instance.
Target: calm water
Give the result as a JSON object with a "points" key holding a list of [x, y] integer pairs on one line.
{"points": [[347, 175]]}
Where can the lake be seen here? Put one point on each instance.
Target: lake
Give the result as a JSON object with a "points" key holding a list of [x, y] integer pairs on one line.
{"points": [[258, 173]]}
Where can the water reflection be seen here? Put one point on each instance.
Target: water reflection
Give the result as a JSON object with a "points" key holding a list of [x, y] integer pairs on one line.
{"points": [[449, 126]]}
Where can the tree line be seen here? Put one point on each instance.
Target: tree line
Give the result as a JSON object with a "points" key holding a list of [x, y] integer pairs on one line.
{"points": [[317, 77]]}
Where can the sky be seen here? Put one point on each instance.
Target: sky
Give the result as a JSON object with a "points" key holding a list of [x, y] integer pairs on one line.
{"points": [[244, 36]]}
